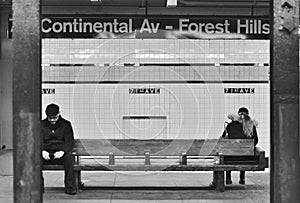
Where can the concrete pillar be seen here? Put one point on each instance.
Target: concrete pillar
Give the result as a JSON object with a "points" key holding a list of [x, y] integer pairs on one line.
{"points": [[26, 100], [285, 160], [6, 68]]}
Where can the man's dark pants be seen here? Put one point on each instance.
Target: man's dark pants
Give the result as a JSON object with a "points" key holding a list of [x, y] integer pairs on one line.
{"points": [[68, 162]]}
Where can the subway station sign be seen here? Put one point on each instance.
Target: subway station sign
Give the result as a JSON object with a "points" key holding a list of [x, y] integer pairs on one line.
{"points": [[154, 27], [239, 90]]}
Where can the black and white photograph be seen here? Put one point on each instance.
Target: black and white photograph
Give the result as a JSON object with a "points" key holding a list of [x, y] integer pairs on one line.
{"points": [[149, 101]]}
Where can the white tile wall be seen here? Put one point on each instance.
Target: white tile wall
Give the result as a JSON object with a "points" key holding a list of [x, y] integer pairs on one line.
{"points": [[192, 110], [99, 73]]}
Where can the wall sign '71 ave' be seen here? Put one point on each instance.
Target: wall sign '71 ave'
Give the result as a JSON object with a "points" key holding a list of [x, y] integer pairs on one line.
{"points": [[239, 90]]}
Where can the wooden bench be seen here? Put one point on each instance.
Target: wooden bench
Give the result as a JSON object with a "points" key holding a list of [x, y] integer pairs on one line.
{"points": [[167, 155]]}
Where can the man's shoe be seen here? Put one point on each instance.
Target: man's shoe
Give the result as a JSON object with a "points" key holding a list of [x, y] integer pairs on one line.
{"points": [[228, 182], [70, 191], [242, 181]]}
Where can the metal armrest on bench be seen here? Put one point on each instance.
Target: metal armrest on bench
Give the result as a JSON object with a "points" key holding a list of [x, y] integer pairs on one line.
{"points": [[263, 160]]}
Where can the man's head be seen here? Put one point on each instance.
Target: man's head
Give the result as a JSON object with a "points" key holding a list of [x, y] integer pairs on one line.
{"points": [[243, 111], [52, 112]]}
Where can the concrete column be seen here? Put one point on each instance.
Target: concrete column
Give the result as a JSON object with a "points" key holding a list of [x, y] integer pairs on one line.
{"points": [[6, 68], [26, 100], [285, 160]]}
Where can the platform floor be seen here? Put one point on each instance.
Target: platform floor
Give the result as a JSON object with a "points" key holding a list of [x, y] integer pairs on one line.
{"points": [[142, 187]]}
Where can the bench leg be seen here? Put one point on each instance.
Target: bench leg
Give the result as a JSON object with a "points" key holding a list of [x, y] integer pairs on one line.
{"points": [[77, 175], [219, 180]]}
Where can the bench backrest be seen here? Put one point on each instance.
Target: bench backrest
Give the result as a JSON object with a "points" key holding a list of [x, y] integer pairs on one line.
{"points": [[208, 147]]}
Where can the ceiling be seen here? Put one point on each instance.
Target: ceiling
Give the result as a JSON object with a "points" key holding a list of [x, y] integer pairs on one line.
{"points": [[153, 3], [252, 8]]}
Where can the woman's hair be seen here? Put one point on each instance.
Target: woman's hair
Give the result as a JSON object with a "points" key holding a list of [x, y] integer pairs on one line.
{"points": [[247, 125], [244, 118]]}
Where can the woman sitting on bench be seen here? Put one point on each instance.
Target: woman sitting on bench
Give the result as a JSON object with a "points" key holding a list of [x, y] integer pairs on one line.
{"points": [[241, 127]]}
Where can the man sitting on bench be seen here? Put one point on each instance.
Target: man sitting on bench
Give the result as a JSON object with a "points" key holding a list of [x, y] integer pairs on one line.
{"points": [[58, 142]]}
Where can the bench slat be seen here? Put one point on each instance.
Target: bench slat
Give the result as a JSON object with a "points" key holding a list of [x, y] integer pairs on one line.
{"points": [[211, 147], [97, 167], [168, 167]]}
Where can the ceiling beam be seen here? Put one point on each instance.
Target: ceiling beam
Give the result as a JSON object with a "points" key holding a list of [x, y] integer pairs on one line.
{"points": [[155, 3]]}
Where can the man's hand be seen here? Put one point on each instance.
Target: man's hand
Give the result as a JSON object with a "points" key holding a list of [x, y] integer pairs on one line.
{"points": [[45, 155], [59, 154]]}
